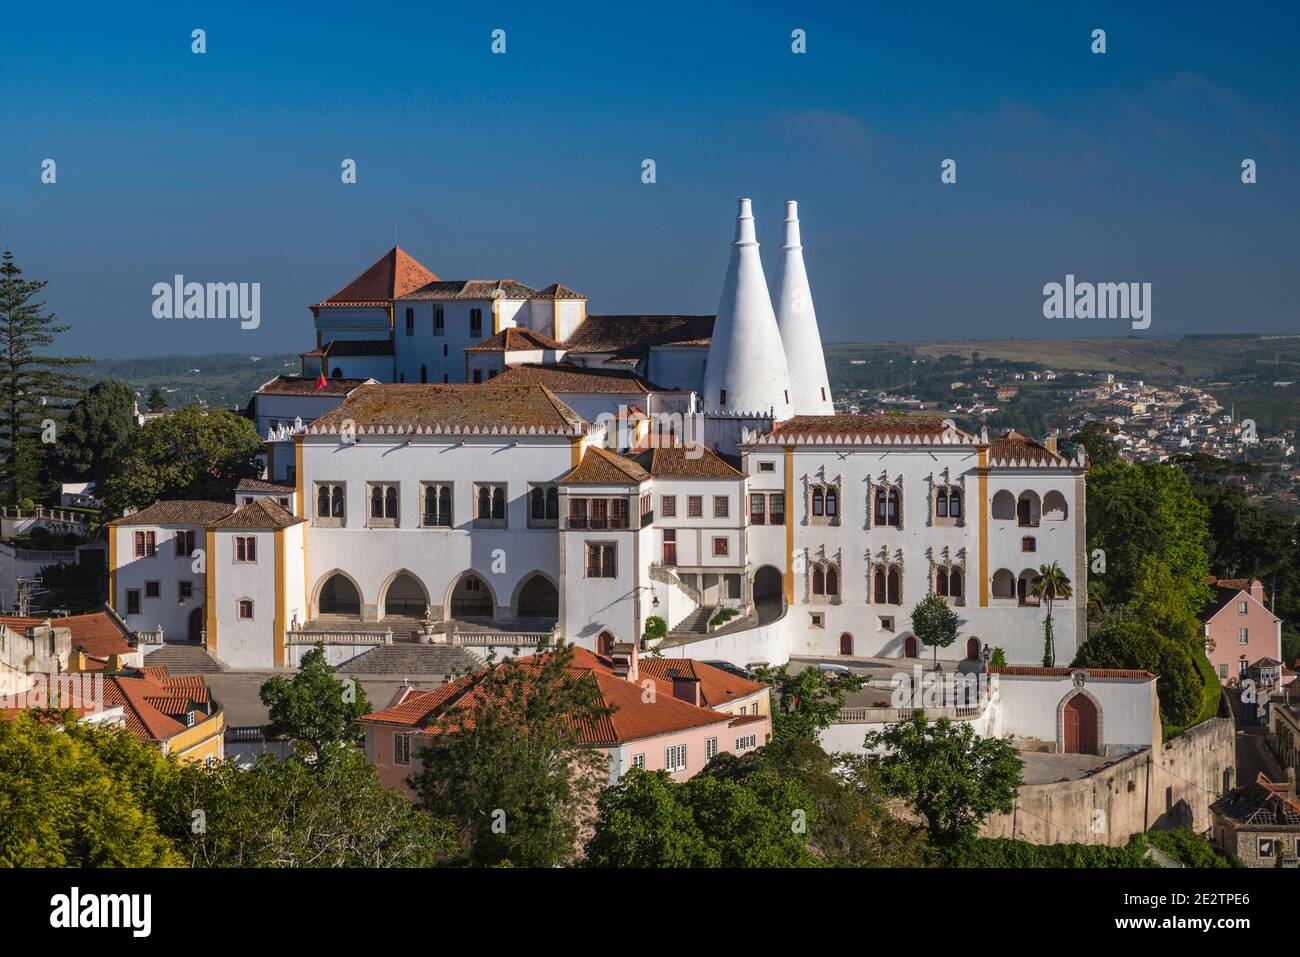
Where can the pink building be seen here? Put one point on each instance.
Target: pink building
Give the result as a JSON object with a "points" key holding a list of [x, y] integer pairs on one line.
{"points": [[1239, 628], [668, 714]]}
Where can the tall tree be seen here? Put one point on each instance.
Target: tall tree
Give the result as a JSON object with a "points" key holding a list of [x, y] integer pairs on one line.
{"points": [[1050, 584], [190, 453], [1096, 441], [155, 402], [510, 764], [951, 776], [808, 702], [934, 623], [32, 384], [319, 713], [98, 427]]}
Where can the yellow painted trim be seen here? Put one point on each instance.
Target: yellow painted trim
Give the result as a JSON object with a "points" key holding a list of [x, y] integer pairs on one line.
{"points": [[299, 505], [112, 568], [555, 319], [496, 316], [210, 589], [278, 624], [575, 458], [789, 524], [984, 527]]}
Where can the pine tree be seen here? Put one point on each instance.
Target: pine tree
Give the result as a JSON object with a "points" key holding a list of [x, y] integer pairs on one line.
{"points": [[32, 385], [156, 402]]}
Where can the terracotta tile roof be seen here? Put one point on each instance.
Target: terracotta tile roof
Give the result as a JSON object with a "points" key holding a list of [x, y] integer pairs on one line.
{"points": [[393, 275], [452, 408], [343, 348], [603, 467], [557, 291], [444, 289], [684, 463], [744, 719], [1016, 449], [849, 429], [306, 385], [260, 513], [563, 377], [1036, 672], [1261, 804], [717, 687], [261, 485], [97, 634], [633, 336], [632, 718], [154, 703], [514, 339], [178, 512]]}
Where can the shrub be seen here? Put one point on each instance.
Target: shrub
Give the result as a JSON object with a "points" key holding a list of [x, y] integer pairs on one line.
{"points": [[1187, 847], [1005, 852], [722, 617]]}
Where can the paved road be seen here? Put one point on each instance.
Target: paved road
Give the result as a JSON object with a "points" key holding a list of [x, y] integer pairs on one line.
{"points": [[1253, 755]]}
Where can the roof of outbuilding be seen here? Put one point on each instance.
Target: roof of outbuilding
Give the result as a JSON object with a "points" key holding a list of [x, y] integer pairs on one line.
{"points": [[1031, 671], [437, 409], [444, 289], [261, 485], [155, 704], [564, 377], [177, 512], [633, 336], [515, 339], [1016, 449], [259, 513], [686, 462], [603, 467], [557, 291], [306, 385]]}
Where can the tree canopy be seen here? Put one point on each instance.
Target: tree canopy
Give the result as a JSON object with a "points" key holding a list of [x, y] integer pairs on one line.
{"points": [[806, 703], [318, 712], [934, 623], [99, 425]]}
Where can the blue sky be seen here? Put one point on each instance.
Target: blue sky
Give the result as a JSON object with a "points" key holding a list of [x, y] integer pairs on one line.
{"points": [[225, 166]]}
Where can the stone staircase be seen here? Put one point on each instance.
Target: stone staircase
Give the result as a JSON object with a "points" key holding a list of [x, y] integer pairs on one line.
{"points": [[184, 660], [693, 626], [412, 659]]}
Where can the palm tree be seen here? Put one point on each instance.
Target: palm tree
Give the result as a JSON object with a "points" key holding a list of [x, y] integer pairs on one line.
{"points": [[1050, 584]]}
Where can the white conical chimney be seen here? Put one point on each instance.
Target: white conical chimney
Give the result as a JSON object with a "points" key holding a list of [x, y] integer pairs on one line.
{"points": [[746, 369], [810, 389]]}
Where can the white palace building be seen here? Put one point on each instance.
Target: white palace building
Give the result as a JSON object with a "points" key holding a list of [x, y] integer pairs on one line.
{"points": [[480, 463]]}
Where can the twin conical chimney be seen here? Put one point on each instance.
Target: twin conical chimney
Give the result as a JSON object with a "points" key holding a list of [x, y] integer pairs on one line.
{"points": [[810, 389], [746, 370]]}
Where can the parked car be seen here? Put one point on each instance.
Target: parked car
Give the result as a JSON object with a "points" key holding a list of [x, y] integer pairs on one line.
{"points": [[730, 669]]}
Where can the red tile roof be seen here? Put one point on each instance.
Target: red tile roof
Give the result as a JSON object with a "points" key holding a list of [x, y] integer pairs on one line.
{"points": [[603, 467], [179, 512], [632, 717], [1015, 449], [394, 274], [474, 289], [306, 385], [451, 408], [563, 377], [632, 337], [514, 339], [717, 687], [686, 463], [97, 634], [155, 703], [261, 513]]}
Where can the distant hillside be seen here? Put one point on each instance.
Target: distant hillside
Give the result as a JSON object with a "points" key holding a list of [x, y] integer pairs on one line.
{"points": [[222, 380]]}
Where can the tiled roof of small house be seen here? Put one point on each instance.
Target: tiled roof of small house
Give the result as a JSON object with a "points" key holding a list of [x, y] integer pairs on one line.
{"points": [[603, 467], [259, 513], [391, 276], [177, 512], [686, 462], [563, 377], [306, 385], [633, 336], [447, 289], [458, 409], [515, 339]]}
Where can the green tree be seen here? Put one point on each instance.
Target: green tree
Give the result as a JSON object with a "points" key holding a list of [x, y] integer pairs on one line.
{"points": [[320, 714], [98, 426], [191, 453], [808, 702], [934, 623], [1139, 514], [288, 813], [1135, 643], [649, 820], [1096, 440], [510, 764], [1050, 584], [948, 774], [155, 402], [32, 384], [71, 797]]}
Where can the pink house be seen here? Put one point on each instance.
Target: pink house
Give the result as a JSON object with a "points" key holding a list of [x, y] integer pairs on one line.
{"points": [[1239, 628], [671, 715]]}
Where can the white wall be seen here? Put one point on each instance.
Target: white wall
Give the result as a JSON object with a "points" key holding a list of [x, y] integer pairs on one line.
{"points": [[1027, 708], [166, 611]]}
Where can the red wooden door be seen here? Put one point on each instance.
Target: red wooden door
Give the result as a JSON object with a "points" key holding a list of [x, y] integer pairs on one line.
{"points": [[1079, 731], [909, 647]]}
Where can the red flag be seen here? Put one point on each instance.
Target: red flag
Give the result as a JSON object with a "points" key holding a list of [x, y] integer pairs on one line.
{"points": [[320, 382]]}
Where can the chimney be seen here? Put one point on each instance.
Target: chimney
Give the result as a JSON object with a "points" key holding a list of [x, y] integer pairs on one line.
{"points": [[1257, 590], [1049, 443], [623, 656], [686, 688], [796, 319], [746, 361]]}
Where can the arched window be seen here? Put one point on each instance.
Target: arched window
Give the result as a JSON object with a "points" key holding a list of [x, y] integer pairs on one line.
{"points": [[955, 585], [832, 581], [390, 502], [941, 582], [338, 373], [954, 504], [323, 501], [424, 373], [484, 502], [537, 503], [886, 511], [846, 644], [819, 581], [498, 502], [879, 593], [893, 588], [246, 609], [336, 502], [553, 503], [818, 502], [832, 503]]}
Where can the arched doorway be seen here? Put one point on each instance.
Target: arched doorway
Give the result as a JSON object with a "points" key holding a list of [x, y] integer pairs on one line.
{"points": [[194, 626], [1079, 725], [405, 597], [338, 596], [972, 649], [471, 598], [538, 599], [768, 586], [605, 644], [846, 644], [909, 646]]}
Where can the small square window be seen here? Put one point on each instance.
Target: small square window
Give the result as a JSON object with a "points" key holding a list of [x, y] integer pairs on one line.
{"points": [[246, 609], [152, 589], [638, 761], [184, 590], [886, 623], [1266, 846], [695, 506], [721, 506], [1243, 608], [668, 505], [401, 749], [817, 620], [767, 466], [721, 548]]}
